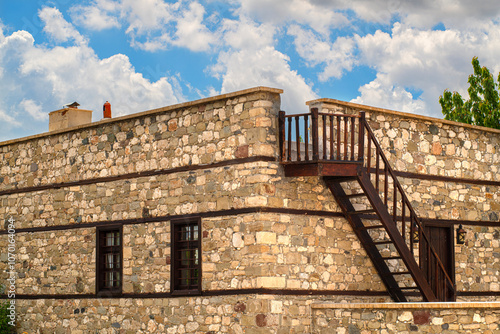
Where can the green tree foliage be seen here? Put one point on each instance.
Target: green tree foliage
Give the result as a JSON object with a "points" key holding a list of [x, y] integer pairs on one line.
{"points": [[482, 107], [5, 328]]}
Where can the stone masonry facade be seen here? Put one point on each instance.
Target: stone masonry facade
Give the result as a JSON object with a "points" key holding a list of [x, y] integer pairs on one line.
{"points": [[271, 246]]}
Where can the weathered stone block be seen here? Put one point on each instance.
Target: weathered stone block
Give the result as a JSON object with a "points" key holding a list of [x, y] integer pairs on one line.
{"points": [[265, 238], [271, 282]]}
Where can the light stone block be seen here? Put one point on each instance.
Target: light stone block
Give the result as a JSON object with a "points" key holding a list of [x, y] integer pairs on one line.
{"points": [[271, 282], [265, 237]]}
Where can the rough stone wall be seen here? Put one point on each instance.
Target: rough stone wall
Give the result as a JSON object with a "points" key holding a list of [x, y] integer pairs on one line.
{"points": [[222, 128], [262, 314], [238, 186], [468, 319], [281, 251], [261, 250], [431, 146], [478, 261], [244, 251], [451, 200], [58, 262], [423, 145], [146, 255]]}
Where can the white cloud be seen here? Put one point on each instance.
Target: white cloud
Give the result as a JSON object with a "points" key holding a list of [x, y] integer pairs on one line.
{"points": [[191, 32], [465, 14], [151, 24], [147, 15], [250, 59], [337, 57], [245, 33], [76, 73], [381, 93], [34, 109], [319, 16], [98, 16], [265, 67], [7, 120], [38, 79], [57, 27], [325, 15], [2, 37], [423, 60]]}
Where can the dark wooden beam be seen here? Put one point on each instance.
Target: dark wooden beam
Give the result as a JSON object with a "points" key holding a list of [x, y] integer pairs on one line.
{"points": [[138, 174], [445, 222], [237, 292], [339, 169], [208, 293], [440, 178], [301, 169], [322, 168], [209, 214]]}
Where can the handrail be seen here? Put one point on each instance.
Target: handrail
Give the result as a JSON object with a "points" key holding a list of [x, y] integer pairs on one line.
{"points": [[415, 221], [316, 137]]}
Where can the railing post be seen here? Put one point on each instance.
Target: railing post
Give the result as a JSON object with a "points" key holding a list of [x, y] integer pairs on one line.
{"points": [[314, 133], [361, 139], [297, 136], [281, 136]]}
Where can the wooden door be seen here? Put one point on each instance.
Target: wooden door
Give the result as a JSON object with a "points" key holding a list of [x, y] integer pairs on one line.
{"points": [[441, 239]]}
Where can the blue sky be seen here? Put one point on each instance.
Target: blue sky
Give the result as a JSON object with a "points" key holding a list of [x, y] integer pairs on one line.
{"points": [[146, 54]]}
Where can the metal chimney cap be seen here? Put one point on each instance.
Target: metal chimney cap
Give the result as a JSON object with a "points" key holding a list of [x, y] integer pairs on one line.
{"points": [[72, 105]]}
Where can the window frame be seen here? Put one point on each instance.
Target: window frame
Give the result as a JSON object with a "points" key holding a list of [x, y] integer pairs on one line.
{"points": [[175, 265], [100, 260]]}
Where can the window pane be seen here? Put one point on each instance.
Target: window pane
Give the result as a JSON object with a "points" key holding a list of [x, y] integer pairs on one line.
{"points": [[109, 260], [186, 256], [195, 232]]}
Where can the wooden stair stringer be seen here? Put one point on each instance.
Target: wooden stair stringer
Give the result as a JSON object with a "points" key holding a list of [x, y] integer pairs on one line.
{"points": [[395, 236], [389, 226], [364, 237]]}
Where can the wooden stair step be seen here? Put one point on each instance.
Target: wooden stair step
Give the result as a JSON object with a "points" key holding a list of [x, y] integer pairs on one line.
{"points": [[401, 273], [371, 227], [392, 258], [384, 242], [366, 240], [360, 211], [409, 288], [355, 195]]}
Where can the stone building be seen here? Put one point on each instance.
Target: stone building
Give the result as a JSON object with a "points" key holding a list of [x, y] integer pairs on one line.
{"points": [[225, 215]]}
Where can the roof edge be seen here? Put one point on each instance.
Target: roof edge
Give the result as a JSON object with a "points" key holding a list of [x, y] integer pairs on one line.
{"points": [[401, 113], [147, 112], [68, 109]]}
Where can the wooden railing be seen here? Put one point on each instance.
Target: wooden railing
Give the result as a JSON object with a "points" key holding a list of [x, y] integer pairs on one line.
{"points": [[405, 218], [317, 137], [341, 138]]}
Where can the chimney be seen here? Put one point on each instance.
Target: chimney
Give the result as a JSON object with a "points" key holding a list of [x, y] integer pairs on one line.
{"points": [[106, 110], [68, 117]]}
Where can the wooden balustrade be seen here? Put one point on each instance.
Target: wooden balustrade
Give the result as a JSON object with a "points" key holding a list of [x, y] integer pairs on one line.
{"points": [[320, 137]]}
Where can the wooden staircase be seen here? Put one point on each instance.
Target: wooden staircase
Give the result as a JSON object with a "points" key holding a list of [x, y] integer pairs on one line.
{"points": [[343, 150]]}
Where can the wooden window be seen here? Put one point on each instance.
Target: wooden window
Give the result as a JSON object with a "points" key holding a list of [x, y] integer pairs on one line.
{"points": [[109, 259], [186, 256]]}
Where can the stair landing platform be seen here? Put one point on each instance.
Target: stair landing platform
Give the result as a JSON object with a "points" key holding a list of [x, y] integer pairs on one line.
{"points": [[322, 168]]}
